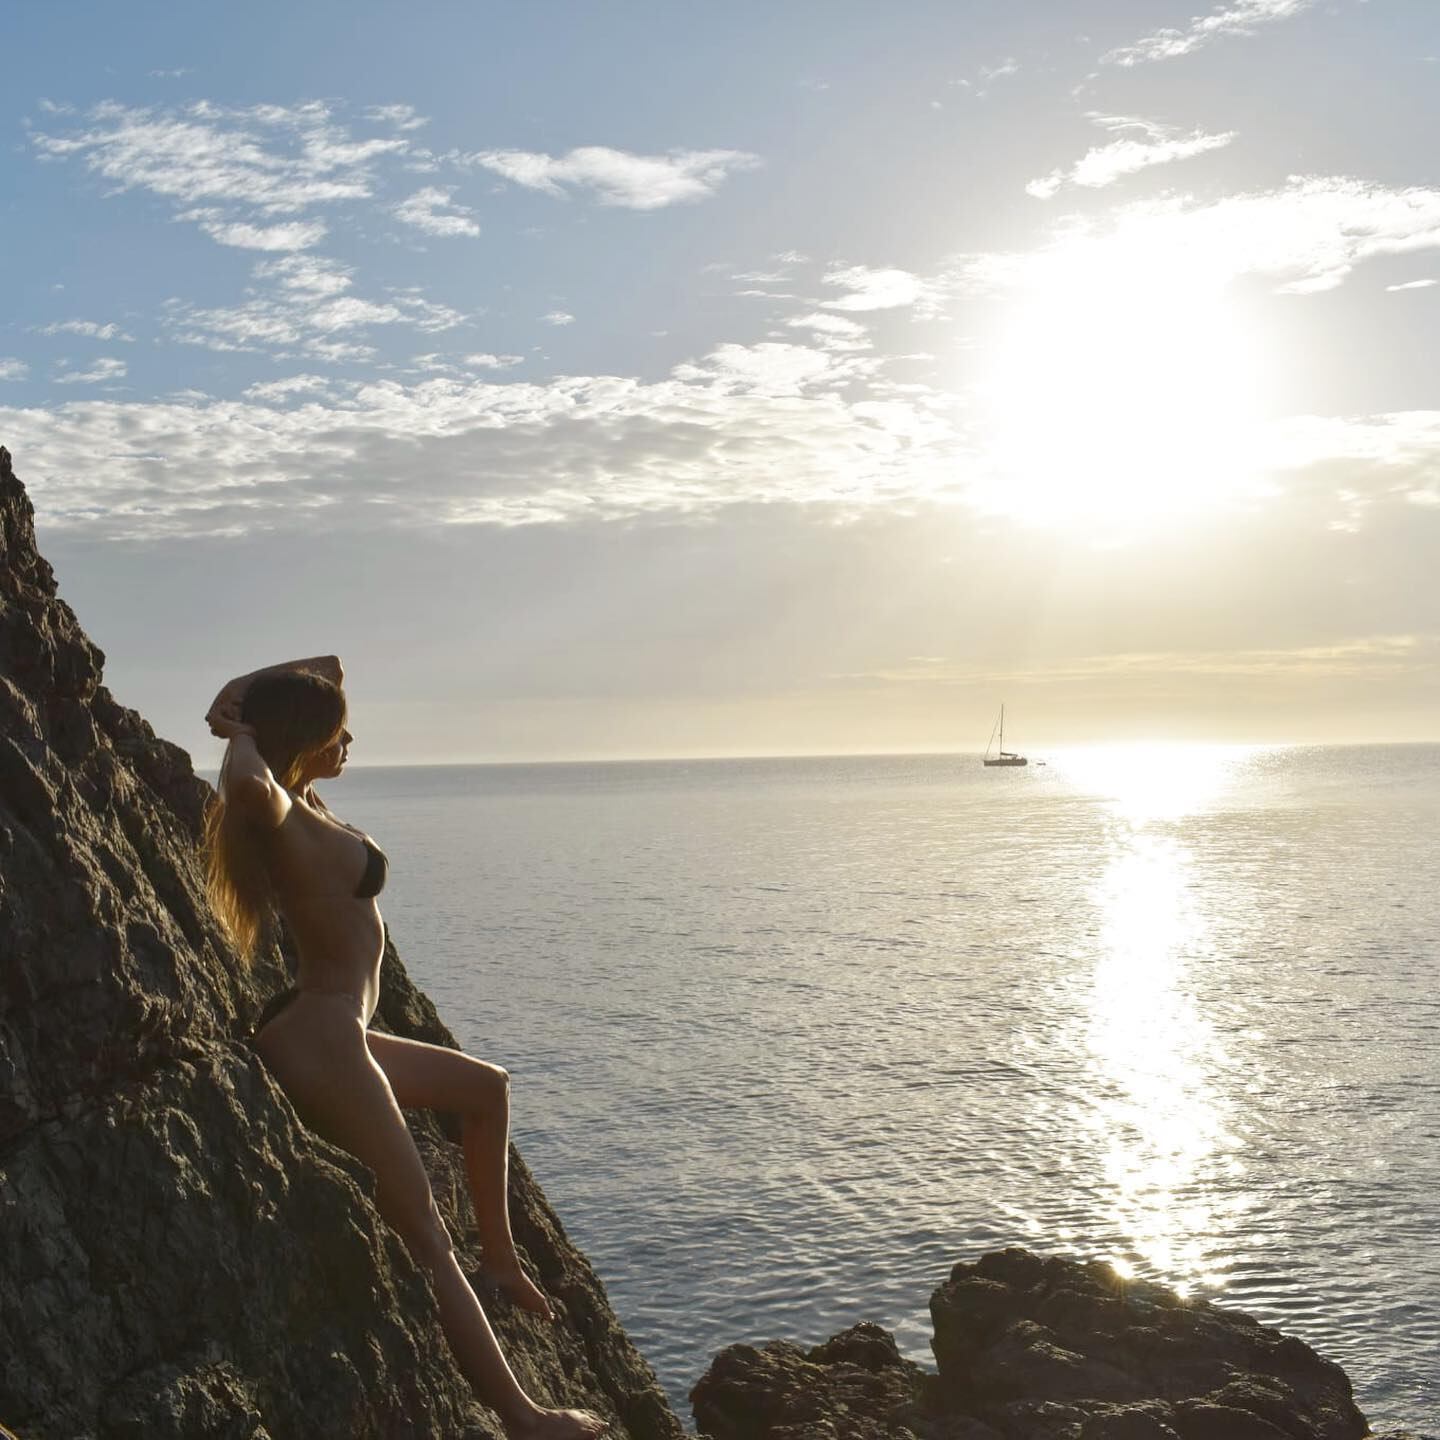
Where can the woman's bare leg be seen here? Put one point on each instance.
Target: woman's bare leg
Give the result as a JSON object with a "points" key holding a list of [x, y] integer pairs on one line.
{"points": [[317, 1052], [438, 1078]]}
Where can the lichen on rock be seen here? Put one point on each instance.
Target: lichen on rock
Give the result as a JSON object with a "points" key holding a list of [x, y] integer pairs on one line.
{"points": [[179, 1256]]}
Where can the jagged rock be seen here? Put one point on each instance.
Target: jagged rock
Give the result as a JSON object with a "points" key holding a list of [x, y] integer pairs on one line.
{"points": [[1039, 1349], [179, 1257]]}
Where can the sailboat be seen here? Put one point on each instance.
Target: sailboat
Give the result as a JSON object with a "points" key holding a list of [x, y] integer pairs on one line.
{"points": [[1005, 757]]}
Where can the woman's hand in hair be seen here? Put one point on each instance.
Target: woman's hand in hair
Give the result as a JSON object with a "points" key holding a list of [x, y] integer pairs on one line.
{"points": [[224, 719], [233, 693]]}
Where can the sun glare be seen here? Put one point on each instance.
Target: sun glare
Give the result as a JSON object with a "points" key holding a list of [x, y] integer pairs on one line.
{"points": [[1117, 396]]}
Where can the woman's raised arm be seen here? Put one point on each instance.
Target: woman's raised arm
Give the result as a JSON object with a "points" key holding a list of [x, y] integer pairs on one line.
{"points": [[226, 705], [245, 779]]}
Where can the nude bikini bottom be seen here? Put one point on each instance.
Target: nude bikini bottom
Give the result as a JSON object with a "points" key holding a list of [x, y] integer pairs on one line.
{"points": [[278, 1002]]}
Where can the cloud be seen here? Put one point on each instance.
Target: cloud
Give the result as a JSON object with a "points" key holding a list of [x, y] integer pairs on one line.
{"points": [[306, 275], [303, 312], [617, 177], [987, 75], [833, 332], [766, 369], [292, 235], [281, 389], [1105, 164], [1369, 656], [745, 425], [1240, 18], [277, 159], [1413, 285], [424, 210], [491, 362], [92, 328], [12, 369], [1308, 236], [558, 317], [102, 370], [402, 117], [240, 174], [871, 289], [1001, 70]]}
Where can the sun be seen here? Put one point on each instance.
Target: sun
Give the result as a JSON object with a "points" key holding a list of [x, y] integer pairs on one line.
{"points": [[1120, 393]]}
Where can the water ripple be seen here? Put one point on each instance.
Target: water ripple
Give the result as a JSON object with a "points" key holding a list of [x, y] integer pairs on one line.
{"points": [[790, 1038]]}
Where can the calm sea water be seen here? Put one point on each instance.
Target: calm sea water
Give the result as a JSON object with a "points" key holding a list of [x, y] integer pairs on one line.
{"points": [[790, 1037]]}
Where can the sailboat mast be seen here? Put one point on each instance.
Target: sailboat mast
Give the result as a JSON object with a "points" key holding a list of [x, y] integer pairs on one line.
{"points": [[1002, 728]]}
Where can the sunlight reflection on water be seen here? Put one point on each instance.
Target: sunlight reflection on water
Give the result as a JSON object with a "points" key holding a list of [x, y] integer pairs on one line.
{"points": [[1159, 1119]]}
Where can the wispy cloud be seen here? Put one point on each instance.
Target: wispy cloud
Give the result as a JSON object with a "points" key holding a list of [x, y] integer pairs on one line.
{"points": [[402, 117], [1368, 655], [275, 390], [618, 177], [278, 159], [1104, 164], [1413, 285], [307, 307], [433, 211], [876, 289], [484, 361], [832, 332], [1241, 18], [1308, 236], [244, 176], [986, 76], [309, 275], [770, 368], [557, 317], [100, 371], [92, 328], [768, 423], [743, 425], [13, 369], [290, 235]]}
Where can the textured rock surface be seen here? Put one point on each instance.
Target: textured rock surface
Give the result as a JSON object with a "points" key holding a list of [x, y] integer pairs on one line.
{"points": [[178, 1255], [1039, 1349]]}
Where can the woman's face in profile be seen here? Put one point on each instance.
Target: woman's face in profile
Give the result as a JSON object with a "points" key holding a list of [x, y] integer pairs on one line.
{"points": [[331, 760]]}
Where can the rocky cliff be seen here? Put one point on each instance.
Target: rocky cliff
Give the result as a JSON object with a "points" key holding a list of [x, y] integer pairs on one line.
{"points": [[179, 1257]]}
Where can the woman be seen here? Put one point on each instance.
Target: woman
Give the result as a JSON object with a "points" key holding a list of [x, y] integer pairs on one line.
{"points": [[271, 844]]}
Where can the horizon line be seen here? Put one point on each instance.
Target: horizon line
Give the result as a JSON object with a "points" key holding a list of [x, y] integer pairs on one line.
{"points": [[1039, 753]]}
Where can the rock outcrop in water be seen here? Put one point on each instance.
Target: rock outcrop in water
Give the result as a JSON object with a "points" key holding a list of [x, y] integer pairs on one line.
{"points": [[1038, 1349], [179, 1257]]}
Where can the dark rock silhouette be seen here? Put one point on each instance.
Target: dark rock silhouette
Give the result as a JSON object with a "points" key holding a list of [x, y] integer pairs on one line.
{"points": [[1038, 1349], [179, 1257]]}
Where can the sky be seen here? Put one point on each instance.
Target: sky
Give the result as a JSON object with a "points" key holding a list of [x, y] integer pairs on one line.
{"points": [[650, 380]]}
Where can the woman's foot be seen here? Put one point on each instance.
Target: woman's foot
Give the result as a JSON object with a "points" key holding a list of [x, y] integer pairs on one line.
{"points": [[517, 1287], [556, 1425]]}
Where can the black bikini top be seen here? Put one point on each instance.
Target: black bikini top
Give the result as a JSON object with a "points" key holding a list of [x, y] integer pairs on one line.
{"points": [[372, 882]]}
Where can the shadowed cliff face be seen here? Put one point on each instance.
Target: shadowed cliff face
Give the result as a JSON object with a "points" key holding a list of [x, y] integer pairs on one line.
{"points": [[178, 1255]]}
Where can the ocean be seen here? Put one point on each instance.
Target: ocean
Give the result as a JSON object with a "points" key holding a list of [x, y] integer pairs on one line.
{"points": [[790, 1037]]}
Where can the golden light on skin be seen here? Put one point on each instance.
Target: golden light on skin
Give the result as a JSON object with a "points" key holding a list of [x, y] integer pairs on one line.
{"points": [[1120, 393], [1158, 1119]]}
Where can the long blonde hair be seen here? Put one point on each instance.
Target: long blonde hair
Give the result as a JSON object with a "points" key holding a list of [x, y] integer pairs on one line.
{"points": [[295, 715]]}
